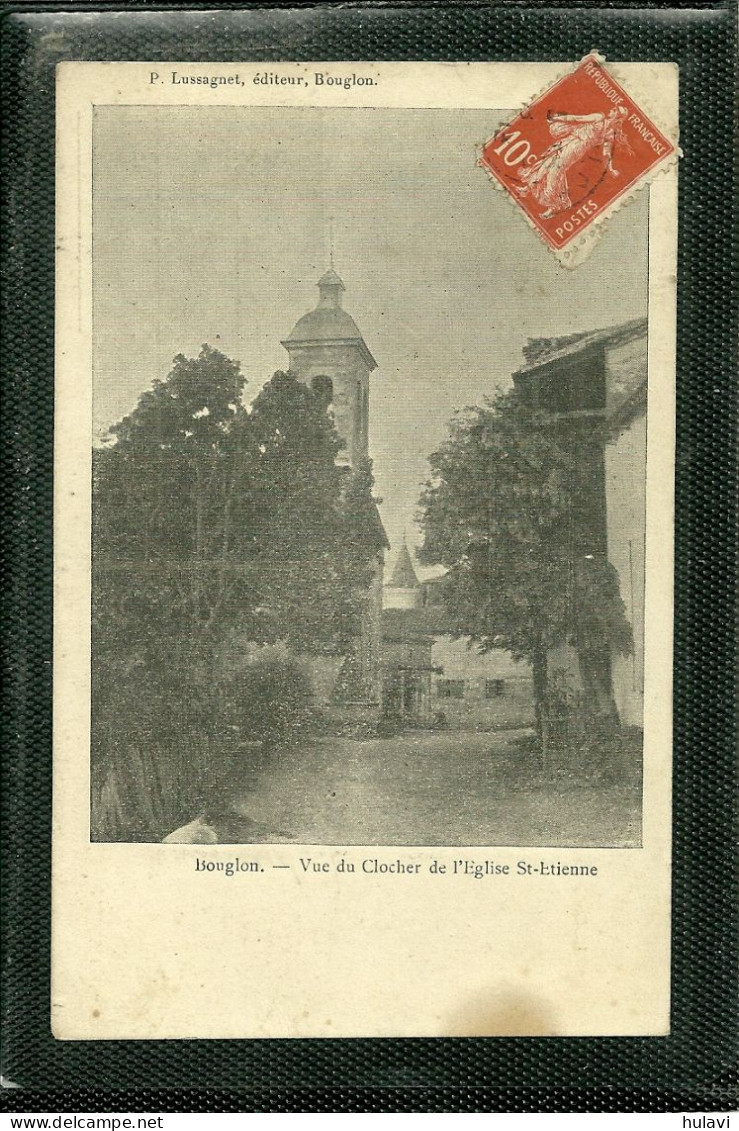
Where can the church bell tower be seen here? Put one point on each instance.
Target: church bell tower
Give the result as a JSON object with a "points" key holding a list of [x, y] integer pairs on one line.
{"points": [[328, 352]]}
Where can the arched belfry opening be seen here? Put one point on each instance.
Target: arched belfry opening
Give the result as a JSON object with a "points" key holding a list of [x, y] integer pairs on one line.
{"points": [[323, 387]]}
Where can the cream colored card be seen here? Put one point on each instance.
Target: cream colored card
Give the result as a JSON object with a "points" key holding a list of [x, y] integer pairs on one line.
{"points": [[417, 859]]}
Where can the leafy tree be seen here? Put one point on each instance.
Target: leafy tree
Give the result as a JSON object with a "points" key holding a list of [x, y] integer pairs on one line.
{"points": [[209, 519], [314, 538], [222, 517], [510, 511], [163, 503]]}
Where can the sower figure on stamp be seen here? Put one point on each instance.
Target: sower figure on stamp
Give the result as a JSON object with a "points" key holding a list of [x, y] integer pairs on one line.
{"points": [[546, 179]]}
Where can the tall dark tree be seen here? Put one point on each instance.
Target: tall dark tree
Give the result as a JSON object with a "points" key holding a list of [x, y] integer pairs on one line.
{"points": [[210, 519], [219, 516], [313, 543], [502, 513], [163, 503]]}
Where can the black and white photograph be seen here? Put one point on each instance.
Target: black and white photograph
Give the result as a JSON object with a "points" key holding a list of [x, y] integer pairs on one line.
{"points": [[363, 551], [369, 474]]}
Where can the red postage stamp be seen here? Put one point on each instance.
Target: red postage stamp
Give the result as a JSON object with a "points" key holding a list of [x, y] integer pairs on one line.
{"points": [[574, 152]]}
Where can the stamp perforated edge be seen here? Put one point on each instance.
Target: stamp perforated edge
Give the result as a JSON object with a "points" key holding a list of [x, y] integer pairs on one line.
{"points": [[577, 250]]}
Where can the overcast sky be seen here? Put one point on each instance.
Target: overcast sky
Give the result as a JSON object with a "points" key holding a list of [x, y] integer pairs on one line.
{"points": [[212, 225]]}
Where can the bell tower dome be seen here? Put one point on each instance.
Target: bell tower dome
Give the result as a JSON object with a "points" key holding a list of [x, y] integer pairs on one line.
{"points": [[327, 352]]}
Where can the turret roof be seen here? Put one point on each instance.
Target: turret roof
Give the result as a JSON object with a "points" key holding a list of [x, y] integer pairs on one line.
{"points": [[404, 575], [331, 279], [323, 323]]}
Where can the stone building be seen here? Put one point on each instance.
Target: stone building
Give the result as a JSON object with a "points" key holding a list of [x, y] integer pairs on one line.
{"points": [[594, 385], [430, 676], [327, 352], [408, 640]]}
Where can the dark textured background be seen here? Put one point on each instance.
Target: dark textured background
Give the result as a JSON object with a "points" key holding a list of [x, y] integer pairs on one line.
{"points": [[691, 1069]]}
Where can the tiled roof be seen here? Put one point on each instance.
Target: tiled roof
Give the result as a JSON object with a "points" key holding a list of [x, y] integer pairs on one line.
{"points": [[541, 351]]}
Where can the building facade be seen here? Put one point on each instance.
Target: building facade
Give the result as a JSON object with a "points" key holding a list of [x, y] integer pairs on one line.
{"points": [[407, 640], [626, 508], [594, 385], [433, 678]]}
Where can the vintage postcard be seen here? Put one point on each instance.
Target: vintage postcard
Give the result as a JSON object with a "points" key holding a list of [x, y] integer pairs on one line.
{"points": [[363, 543]]}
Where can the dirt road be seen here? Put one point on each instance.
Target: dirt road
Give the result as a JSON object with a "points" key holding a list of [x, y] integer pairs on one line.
{"points": [[427, 788]]}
